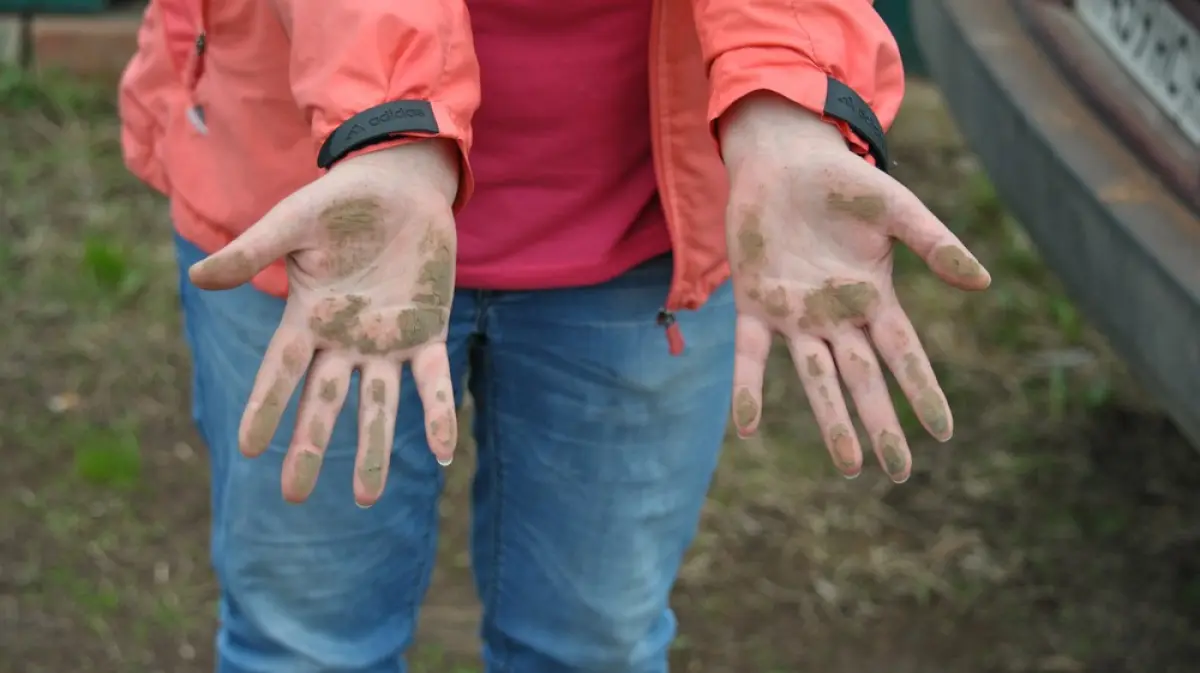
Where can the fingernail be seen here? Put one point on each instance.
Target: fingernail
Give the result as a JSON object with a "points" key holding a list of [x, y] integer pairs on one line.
{"points": [[850, 476], [362, 506], [445, 462], [899, 481]]}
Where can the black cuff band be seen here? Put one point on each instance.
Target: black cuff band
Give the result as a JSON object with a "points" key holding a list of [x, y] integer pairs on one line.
{"points": [[845, 104], [372, 126]]}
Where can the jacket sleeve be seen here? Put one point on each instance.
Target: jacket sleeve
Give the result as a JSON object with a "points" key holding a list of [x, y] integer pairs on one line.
{"points": [[349, 56], [792, 47]]}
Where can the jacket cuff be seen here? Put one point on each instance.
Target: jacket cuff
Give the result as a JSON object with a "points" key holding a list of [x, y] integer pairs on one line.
{"points": [[776, 69], [397, 123]]}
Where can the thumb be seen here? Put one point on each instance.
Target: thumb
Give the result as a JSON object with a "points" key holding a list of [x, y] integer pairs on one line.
{"points": [[275, 235], [921, 230]]}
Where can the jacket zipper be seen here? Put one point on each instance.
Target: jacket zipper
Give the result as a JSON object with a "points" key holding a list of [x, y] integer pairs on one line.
{"points": [[195, 70], [666, 314], [199, 46]]}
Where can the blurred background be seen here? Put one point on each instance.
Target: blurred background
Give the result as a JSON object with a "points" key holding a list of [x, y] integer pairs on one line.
{"points": [[1058, 532]]}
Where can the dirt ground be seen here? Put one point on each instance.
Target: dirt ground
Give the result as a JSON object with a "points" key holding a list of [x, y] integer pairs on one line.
{"points": [[1057, 533]]}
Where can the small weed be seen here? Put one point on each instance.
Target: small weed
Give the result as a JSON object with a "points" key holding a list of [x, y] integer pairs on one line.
{"points": [[109, 265], [106, 263], [985, 204], [108, 457], [91, 599]]}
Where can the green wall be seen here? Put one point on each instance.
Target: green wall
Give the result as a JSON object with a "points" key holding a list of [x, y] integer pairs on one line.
{"points": [[899, 17]]}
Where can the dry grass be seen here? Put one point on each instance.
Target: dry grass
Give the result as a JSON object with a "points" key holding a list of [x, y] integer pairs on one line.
{"points": [[1056, 532]]}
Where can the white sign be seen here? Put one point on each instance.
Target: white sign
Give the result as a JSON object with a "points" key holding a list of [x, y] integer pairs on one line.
{"points": [[1158, 47]]}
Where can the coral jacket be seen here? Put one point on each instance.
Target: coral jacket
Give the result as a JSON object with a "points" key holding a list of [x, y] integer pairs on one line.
{"points": [[290, 71]]}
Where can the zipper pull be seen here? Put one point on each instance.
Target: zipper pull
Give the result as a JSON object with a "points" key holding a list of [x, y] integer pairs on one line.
{"points": [[666, 320]]}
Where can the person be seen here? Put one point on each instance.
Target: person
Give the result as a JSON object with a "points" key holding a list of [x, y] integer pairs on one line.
{"points": [[379, 205]]}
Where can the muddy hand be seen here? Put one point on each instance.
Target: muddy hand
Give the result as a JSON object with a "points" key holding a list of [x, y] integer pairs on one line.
{"points": [[370, 264], [810, 230]]}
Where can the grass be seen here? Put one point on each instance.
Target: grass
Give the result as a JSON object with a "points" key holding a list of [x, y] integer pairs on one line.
{"points": [[1055, 533]]}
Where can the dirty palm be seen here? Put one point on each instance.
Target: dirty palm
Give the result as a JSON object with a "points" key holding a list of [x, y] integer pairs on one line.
{"points": [[811, 230], [371, 276], [810, 243]]}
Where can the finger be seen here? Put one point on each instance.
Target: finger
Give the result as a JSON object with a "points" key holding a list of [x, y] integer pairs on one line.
{"points": [[283, 366], [864, 380], [753, 344], [901, 349], [431, 371], [924, 233], [379, 398], [819, 377], [278, 233], [324, 394]]}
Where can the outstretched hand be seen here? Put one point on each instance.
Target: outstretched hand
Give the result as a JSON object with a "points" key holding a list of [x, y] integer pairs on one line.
{"points": [[811, 228], [370, 251]]}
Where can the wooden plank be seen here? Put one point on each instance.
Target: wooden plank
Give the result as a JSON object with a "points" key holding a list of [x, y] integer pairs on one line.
{"points": [[93, 47]]}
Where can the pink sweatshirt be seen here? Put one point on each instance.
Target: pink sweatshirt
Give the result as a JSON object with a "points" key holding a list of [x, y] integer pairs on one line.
{"points": [[565, 191]]}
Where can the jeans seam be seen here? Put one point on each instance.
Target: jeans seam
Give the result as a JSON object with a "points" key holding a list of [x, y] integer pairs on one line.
{"points": [[218, 533], [424, 571], [428, 560], [492, 600]]}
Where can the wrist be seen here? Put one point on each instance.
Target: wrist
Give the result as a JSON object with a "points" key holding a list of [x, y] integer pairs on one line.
{"points": [[764, 118], [763, 121], [433, 163]]}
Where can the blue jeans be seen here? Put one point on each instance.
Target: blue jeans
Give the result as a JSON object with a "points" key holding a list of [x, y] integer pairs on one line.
{"points": [[595, 451]]}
